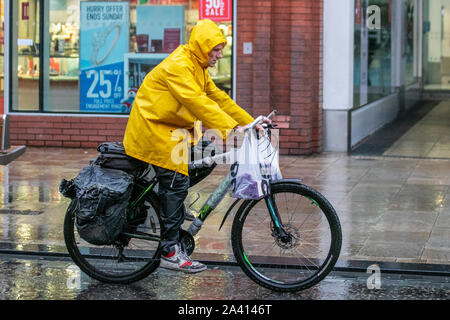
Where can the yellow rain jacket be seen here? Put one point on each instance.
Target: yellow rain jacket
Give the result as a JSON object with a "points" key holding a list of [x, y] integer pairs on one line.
{"points": [[175, 95]]}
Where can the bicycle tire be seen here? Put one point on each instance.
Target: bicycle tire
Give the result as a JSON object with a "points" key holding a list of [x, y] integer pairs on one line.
{"points": [[256, 252], [99, 262]]}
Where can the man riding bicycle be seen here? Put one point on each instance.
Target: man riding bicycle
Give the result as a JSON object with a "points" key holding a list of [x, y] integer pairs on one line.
{"points": [[179, 93]]}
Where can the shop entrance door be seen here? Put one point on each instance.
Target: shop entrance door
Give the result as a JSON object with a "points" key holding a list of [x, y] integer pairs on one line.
{"points": [[436, 45]]}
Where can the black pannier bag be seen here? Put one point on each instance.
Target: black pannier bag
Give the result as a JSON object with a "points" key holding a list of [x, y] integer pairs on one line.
{"points": [[100, 198], [112, 155]]}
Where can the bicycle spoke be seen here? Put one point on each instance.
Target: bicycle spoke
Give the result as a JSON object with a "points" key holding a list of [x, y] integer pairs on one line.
{"points": [[134, 251]]}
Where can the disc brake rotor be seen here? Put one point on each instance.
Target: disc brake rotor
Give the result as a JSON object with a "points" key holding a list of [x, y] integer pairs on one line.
{"points": [[293, 233]]}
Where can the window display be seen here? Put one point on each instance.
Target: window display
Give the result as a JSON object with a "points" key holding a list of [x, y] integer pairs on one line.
{"points": [[137, 65], [25, 83], [61, 92], [95, 54], [372, 52]]}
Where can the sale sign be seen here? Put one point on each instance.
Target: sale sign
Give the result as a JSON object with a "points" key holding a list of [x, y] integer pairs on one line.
{"points": [[216, 10], [104, 39]]}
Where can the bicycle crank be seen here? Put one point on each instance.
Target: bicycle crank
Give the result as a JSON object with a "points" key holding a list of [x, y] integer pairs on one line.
{"points": [[187, 242]]}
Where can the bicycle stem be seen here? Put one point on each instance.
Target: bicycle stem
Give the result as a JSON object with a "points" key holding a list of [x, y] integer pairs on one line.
{"points": [[208, 161]]}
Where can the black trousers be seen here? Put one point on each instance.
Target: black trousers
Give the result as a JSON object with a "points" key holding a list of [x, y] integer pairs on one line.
{"points": [[173, 190]]}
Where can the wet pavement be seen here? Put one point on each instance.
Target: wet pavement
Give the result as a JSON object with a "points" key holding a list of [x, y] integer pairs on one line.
{"points": [[28, 278], [429, 138], [422, 132], [392, 209]]}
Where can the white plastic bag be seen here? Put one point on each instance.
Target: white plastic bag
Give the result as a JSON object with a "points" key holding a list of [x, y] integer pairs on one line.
{"points": [[255, 165], [268, 159]]}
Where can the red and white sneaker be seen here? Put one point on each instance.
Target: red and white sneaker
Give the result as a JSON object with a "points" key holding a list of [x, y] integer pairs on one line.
{"points": [[180, 261]]}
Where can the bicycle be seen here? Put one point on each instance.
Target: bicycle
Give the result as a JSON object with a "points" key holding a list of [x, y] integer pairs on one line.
{"points": [[279, 249]]}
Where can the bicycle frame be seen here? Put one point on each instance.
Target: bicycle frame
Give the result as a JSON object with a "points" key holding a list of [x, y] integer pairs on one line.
{"points": [[213, 201], [219, 194]]}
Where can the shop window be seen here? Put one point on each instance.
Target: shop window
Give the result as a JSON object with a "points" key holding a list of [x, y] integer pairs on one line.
{"points": [[25, 58], [61, 59], [96, 53]]}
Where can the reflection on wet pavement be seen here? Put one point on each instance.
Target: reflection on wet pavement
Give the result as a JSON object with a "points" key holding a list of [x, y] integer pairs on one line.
{"points": [[23, 279], [428, 138], [390, 209]]}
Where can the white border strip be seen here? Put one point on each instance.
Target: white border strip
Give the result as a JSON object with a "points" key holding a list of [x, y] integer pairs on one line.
{"points": [[44, 114], [6, 66], [234, 23]]}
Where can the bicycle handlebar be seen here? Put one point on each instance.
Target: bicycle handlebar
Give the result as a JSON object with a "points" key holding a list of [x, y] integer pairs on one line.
{"points": [[274, 112]]}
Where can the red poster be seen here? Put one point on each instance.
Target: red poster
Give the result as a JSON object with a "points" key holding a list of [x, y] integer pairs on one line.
{"points": [[25, 10], [216, 10], [171, 39], [142, 42], [358, 11]]}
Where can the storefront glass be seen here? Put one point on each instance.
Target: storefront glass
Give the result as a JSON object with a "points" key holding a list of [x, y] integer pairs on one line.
{"points": [[96, 53], [372, 51], [25, 57], [62, 57], [436, 45], [409, 49]]}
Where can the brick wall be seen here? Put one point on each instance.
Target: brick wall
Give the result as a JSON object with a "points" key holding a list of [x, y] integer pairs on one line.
{"points": [[284, 70], [65, 131]]}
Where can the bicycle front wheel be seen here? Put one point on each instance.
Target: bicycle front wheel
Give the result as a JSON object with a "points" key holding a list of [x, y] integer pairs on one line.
{"points": [[296, 261], [131, 259]]}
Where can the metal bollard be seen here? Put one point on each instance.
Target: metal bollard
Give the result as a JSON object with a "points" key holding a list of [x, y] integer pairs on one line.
{"points": [[5, 133]]}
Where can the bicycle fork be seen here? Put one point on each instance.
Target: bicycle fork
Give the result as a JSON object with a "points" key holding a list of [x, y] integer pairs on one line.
{"points": [[278, 230]]}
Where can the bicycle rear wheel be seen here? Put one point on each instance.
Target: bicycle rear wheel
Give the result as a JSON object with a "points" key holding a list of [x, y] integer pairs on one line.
{"points": [[131, 260], [292, 264]]}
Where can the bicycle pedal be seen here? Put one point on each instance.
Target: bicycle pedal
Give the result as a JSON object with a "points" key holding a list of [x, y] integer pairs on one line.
{"points": [[122, 258]]}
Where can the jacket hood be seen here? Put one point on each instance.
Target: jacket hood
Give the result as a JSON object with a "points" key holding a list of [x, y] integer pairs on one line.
{"points": [[204, 37]]}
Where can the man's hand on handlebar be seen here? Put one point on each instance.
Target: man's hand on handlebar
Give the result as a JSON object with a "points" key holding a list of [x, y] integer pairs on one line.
{"points": [[258, 127]]}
